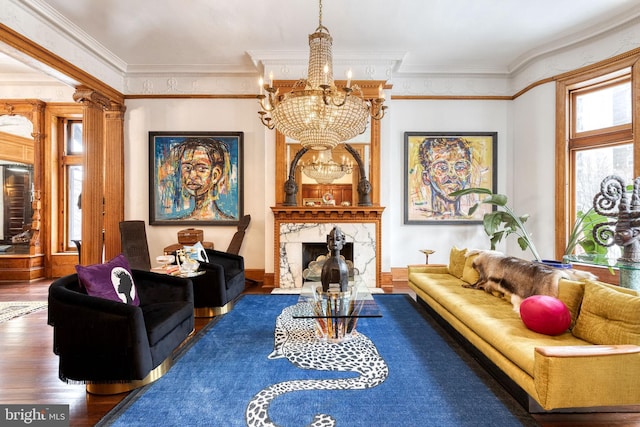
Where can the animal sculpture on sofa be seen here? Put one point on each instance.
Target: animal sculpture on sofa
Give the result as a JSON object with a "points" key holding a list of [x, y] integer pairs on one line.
{"points": [[518, 279]]}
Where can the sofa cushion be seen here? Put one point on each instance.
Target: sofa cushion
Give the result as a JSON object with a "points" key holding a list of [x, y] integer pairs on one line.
{"points": [[545, 314], [111, 280], [457, 258], [161, 318], [570, 292], [469, 274], [608, 316]]}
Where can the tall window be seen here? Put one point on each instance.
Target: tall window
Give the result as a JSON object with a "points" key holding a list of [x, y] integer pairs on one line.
{"points": [[601, 137], [596, 130], [71, 172]]}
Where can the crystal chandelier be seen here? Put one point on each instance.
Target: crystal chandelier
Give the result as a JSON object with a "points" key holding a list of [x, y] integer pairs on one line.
{"points": [[315, 112], [325, 170]]}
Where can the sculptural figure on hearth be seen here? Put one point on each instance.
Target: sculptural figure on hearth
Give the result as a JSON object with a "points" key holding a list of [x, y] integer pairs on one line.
{"points": [[335, 269]]}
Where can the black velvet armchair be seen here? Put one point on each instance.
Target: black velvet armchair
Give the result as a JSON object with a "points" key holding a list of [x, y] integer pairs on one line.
{"points": [[112, 346], [215, 291]]}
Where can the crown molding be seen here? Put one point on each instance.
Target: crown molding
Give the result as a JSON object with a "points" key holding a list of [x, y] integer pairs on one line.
{"points": [[72, 32]]}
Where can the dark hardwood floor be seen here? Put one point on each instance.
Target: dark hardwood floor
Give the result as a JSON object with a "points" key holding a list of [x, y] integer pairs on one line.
{"points": [[29, 369]]}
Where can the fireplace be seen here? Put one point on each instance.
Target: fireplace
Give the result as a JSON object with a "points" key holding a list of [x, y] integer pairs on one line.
{"points": [[312, 250], [294, 226]]}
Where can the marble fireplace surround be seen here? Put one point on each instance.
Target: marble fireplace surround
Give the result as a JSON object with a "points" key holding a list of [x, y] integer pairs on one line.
{"points": [[294, 226]]}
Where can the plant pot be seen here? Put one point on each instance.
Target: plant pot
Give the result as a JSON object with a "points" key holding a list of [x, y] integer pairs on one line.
{"points": [[555, 263]]}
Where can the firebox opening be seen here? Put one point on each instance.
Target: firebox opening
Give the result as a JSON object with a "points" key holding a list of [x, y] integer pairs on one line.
{"points": [[311, 251]]}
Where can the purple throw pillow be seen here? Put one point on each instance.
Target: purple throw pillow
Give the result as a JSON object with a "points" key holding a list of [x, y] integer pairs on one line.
{"points": [[112, 280]]}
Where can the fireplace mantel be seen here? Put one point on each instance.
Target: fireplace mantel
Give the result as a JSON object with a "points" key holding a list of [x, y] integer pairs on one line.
{"points": [[328, 213], [371, 216]]}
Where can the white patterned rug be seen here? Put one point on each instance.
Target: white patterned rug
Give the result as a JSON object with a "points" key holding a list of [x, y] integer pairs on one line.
{"points": [[13, 309]]}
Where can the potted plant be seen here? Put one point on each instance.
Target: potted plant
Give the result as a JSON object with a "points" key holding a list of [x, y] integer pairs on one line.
{"points": [[582, 234], [502, 222]]}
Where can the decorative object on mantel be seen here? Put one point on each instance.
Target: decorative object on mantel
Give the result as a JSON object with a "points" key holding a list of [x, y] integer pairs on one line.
{"points": [[364, 186], [290, 185], [615, 201], [316, 112], [335, 269]]}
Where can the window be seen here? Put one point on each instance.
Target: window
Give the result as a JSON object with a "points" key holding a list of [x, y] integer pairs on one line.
{"points": [[601, 139], [595, 136], [71, 177]]}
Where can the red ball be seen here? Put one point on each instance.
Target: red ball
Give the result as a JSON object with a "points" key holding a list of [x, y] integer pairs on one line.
{"points": [[545, 314]]}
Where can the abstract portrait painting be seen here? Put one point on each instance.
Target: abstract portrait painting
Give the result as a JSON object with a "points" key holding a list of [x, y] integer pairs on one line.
{"points": [[437, 164], [195, 178]]}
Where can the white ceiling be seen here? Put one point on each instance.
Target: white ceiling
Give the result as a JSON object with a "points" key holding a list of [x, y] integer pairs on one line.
{"points": [[427, 36]]}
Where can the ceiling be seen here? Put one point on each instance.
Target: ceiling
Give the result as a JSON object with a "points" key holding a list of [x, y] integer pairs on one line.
{"points": [[231, 37]]}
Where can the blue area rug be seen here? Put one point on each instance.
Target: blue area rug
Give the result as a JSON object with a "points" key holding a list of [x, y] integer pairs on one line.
{"points": [[430, 382]]}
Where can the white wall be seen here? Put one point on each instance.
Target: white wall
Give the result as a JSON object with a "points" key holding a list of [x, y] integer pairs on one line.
{"points": [[532, 163], [401, 243], [143, 116]]}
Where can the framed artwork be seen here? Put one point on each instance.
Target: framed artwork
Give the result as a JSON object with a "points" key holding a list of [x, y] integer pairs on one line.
{"points": [[195, 178], [439, 163]]}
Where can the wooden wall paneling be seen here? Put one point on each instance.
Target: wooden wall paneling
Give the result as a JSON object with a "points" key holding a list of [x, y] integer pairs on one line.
{"points": [[16, 148], [114, 179]]}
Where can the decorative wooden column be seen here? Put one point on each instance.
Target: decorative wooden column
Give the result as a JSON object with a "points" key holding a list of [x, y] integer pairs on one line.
{"points": [[114, 179], [93, 135]]}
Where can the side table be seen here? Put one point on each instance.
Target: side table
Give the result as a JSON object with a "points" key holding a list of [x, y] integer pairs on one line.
{"points": [[426, 253], [169, 250]]}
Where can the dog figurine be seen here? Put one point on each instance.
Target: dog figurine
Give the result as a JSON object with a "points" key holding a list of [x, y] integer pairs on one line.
{"points": [[518, 279]]}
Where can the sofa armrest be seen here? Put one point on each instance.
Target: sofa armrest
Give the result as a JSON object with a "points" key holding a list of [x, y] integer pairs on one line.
{"points": [[587, 350], [429, 268], [157, 288], [574, 376], [225, 259]]}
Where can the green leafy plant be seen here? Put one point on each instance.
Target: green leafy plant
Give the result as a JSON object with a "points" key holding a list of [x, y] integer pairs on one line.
{"points": [[502, 222], [582, 234]]}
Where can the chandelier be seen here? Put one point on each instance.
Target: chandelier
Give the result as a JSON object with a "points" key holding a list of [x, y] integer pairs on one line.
{"points": [[325, 170], [315, 112]]}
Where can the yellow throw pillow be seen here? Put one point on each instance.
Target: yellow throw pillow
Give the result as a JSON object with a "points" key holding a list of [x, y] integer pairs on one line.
{"points": [[570, 292], [470, 274], [608, 316], [457, 257]]}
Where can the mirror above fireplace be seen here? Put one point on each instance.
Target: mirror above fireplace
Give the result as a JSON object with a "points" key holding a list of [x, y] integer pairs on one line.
{"points": [[339, 192]]}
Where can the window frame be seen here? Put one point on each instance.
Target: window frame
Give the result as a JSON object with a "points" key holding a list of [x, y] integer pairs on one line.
{"points": [[568, 142], [65, 161]]}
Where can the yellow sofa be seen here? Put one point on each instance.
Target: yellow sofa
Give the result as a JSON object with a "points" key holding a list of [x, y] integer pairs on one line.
{"points": [[595, 363]]}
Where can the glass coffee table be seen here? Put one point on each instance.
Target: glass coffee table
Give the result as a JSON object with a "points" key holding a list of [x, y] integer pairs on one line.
{"points": [[336, 313]]}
